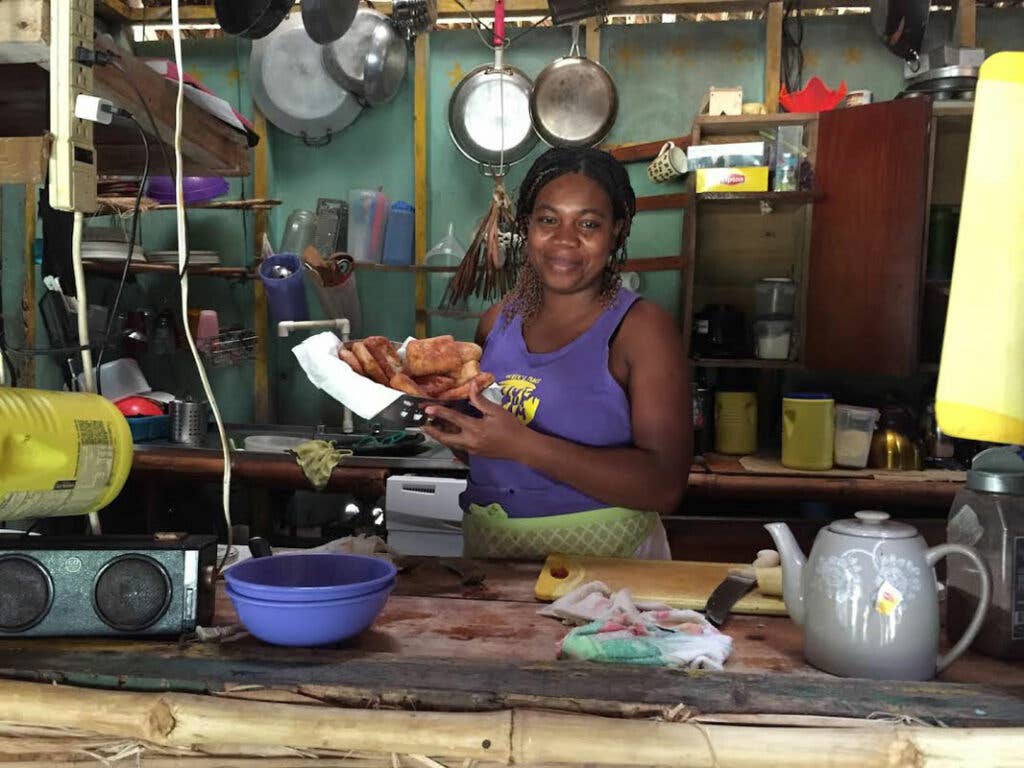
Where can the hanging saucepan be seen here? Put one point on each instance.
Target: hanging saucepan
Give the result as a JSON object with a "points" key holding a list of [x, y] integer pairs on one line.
{"points": [[292, 88], [328, 20], [251, 18], [489, 110], [369, 59], [574, 101], [901, 25]]}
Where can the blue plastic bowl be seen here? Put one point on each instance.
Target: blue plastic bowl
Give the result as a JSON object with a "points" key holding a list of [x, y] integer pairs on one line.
{"points": [[308, 623], [310, 576]]}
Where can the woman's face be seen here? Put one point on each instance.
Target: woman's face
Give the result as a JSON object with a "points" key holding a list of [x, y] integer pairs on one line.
{"points": [[571, 233]]}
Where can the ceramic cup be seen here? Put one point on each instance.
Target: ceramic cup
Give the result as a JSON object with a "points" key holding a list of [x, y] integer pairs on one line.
{"points": [[670, 163]]}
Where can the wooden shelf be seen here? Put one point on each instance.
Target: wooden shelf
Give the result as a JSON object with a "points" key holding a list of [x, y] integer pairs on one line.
{"points": [[118, 205], [24, 159], [197, 270], [655, 264], [642, 151], [367, 266], [726, 125], [670, 201], [728, 362], [793, 198]]}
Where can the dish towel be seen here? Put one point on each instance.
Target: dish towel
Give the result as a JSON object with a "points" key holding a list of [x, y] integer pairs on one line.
{"points": [[318, 458], [616, 629]]}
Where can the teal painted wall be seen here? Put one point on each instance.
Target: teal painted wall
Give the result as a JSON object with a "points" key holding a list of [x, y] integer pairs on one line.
{"points": [[662, 71]]}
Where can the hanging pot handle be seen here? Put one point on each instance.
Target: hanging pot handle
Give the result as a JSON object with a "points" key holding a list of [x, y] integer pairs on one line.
{"points": [[575, 49], [499, 32], [935, 554]]}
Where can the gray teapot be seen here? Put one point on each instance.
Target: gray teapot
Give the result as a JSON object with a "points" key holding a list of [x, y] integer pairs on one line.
{"points": [[867, 598]]}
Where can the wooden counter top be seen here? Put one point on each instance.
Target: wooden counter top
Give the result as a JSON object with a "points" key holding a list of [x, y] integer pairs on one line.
{"points": [[441, 645]]}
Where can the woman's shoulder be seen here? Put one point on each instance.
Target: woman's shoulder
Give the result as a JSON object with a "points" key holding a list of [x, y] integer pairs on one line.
{"points": [[487, 322], [647, 329]]}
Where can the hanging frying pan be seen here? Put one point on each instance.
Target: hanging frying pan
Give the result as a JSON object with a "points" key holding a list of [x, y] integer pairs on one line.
{"points": [[251, 18], [369, 59], [291, 87], [327, 20], [574, 101], [901, 25], [489, 110]]}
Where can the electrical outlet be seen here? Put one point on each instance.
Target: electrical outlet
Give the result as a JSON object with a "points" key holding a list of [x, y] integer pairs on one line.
{"points": [[73, 155]]}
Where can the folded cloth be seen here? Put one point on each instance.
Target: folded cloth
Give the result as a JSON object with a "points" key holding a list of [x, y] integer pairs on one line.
{"points": [[318, 458], [617, 629]]}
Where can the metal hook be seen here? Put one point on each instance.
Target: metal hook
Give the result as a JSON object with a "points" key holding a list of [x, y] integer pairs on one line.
{"points": [[575, 49], [322, 141]]}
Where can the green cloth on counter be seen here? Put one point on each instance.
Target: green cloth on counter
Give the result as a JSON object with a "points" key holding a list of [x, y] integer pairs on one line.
{"points": [[318, 458]]}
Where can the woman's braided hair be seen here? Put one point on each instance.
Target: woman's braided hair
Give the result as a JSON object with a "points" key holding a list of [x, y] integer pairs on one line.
{"points": [[525, 297]]}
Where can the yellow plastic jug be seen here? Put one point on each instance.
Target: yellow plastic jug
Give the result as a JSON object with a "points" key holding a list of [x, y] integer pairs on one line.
{"points": [[735, 422], [61, 453], [808, 431], [980, 395]]}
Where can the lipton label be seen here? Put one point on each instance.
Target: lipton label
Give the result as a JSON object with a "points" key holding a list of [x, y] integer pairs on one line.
{"points": [[734, 178]]}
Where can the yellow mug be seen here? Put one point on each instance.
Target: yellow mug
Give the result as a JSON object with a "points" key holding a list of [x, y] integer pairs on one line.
{"points": [[735, 422], [808, 431]]}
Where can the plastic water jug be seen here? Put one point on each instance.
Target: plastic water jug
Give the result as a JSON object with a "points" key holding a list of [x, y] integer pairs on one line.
{"points": [[61, 453], [400, 234]]}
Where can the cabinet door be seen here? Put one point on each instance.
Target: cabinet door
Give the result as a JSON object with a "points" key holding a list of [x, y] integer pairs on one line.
{"points": [[867, 235]]}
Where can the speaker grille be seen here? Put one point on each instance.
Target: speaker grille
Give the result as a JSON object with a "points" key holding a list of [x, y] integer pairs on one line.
{"points": [[132, 592], [26, 593]]}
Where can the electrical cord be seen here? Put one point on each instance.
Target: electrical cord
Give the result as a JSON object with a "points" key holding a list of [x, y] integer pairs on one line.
{"points": [[182, 257], [112, 317]]}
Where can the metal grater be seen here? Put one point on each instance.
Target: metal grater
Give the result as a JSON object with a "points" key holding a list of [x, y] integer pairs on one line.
{"points": [[331, 233]]}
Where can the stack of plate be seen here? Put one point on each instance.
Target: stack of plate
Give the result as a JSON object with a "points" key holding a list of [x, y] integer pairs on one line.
{"points": [[195, 258], [943, 84]]}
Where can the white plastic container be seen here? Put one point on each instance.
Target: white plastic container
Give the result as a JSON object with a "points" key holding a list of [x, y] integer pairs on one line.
{"points": [[773, 339], [367, 224], [774, 297], [854, 428]]}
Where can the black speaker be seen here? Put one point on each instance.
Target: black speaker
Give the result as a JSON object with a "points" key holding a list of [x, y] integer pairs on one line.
{"points": [[106, 585]]}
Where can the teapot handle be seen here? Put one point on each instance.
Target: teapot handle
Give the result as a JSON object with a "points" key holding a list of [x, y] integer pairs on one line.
{"points": [[935, 554]]}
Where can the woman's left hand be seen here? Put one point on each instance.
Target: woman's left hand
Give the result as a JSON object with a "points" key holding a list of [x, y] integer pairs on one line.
{"points": [[497, 434]]}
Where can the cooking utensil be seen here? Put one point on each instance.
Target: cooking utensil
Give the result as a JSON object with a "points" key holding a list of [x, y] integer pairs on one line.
{"points": [[413, 17], [867, 599], [292, 88], [574, 102], [188, 421], [304, 577], [678, 583], [489, 110], [327, 20], [901, 25], [369, 59], [738, 583], [251, 18], [566, 11]]}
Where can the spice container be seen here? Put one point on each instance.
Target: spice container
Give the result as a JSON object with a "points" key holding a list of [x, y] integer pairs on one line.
{"points": [[772, 339], [854, 428], [736, 422], [808, 431]]}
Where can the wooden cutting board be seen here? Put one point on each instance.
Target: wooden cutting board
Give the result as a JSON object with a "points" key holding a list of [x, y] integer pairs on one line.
{"points": [[679, 583]]}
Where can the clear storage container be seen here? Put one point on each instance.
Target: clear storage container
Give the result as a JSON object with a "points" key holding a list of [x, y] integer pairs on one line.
{"points": [[854, 428], [774, 297], [772, 339], [298, 231], [367, 222]]}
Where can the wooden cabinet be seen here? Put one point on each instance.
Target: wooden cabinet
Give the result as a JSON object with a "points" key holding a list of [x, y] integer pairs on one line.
{"points": [[867, 238]]}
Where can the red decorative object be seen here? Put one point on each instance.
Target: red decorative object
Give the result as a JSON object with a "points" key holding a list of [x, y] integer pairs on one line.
{"points": [[138, 406], [814, 97]]}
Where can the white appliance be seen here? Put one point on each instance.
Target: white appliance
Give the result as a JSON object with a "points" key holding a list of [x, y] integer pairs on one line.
{"points": [[423, 516]]}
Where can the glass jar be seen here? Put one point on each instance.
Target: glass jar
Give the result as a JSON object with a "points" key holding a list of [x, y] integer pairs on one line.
{"points": [[298, 232]]}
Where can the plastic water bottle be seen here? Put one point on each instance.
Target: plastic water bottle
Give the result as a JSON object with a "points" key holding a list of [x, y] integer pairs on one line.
{"points": [[400, 234]]}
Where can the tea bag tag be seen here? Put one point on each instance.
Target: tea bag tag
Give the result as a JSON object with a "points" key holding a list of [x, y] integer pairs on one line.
{"points": [[887, 599]]}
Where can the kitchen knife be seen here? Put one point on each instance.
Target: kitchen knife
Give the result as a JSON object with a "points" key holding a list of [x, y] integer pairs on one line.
{"points": [[738, 583]]}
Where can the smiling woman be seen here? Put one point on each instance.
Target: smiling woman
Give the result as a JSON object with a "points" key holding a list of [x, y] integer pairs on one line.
{"points": [[592, 438]]}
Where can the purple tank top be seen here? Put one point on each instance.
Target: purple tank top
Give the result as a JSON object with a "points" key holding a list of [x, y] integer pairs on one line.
{"points": [[568, 393]]}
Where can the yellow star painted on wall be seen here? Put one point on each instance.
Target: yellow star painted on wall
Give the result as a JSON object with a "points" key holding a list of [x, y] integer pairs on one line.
{"points": [[233, 76], [740, 50], [625, 55], [195, 72], [853, 55], [455, 74], [812, 58]]}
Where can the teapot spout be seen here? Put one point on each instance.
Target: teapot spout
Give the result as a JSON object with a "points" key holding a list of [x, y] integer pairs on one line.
{"points": [[793, 561]]}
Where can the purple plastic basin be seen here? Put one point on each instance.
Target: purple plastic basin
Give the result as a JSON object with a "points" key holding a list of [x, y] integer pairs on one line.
{"points": [[195, 189], [308, 623], [310, 576]]}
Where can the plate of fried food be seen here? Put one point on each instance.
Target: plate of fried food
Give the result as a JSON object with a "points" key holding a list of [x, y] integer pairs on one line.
{"points": [[424, 371]]}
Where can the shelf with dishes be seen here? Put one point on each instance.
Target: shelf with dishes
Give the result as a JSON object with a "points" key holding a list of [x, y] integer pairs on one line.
{"points": [[114, 267], [125, 204]]}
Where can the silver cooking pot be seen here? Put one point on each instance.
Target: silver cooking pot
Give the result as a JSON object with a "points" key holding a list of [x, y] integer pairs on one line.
{"points": [[369, 59]]}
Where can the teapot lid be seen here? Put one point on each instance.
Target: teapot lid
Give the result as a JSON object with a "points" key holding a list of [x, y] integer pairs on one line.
{"points": [[873, 525]]}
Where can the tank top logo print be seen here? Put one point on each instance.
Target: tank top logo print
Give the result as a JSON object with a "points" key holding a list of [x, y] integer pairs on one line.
{"points": [[519, 396]]}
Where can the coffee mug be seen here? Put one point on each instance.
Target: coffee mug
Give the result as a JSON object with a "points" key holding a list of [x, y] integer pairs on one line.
{"points": [[670, 163]]}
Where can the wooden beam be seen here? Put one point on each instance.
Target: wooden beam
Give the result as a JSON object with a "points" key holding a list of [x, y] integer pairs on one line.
{"points": [[642, 151], [420, 116], [772, 55], [965, 15], [662, 202], [593, 40], [24, 159], [261, 374], [27, 377], [25, 31]]}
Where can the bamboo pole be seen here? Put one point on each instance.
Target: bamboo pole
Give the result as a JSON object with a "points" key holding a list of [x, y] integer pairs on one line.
{"points": [[233, 727], [261, 374], [420, 107], [772, 55]]}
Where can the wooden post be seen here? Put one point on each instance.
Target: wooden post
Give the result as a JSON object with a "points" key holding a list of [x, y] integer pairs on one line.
{"points": [[27, 375], [593, 40], [420, 103], [261, 375], [965, 19], [772, 55]]}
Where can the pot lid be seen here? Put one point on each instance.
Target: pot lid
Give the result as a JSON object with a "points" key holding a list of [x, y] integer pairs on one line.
{"points": [[998, 470], [873, 525]]}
